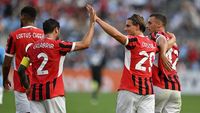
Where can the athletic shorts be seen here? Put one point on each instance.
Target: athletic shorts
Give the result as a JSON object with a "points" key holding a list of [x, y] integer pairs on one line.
{"points": [[1, 95], [54, 105], [21, 102], [167, 101], [129, 102]]}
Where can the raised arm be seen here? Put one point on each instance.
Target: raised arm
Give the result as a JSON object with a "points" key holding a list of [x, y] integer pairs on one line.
{"points": [[112, 31], [87, 39]]}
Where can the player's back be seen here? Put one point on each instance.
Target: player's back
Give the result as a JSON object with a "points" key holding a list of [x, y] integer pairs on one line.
{"points": [[21, 38], [47, 57], [16, 45], [137, 73]]}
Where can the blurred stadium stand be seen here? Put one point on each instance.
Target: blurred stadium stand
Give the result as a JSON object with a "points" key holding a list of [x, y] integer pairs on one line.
{"points": [[183, 20]]}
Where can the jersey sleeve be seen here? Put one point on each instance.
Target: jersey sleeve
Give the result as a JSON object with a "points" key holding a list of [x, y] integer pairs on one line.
{"points": [[10, 47], [156, 35], [66, 47], [131, 43]]}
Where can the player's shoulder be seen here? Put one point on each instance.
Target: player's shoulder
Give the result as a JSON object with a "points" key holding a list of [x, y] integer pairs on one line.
{"points": [[158, 33], [142, 38], [37, 29], [139, 38], [155, 35], [27, 28], [64, 44], [132, 38], [46, 41]]}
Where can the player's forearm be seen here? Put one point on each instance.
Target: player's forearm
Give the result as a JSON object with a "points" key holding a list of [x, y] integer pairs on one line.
{"points": [[163, 46], [111, 31], [87, 39], [89, 35], [5, 69], [23, 77]]}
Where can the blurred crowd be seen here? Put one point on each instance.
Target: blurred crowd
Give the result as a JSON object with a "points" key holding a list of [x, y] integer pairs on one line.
{"points": [[183, 20]]}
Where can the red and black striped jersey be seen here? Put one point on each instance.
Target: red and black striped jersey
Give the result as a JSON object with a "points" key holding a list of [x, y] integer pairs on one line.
{"points": [[137, 73], [161, 76], [16, 45], [47, 58]]}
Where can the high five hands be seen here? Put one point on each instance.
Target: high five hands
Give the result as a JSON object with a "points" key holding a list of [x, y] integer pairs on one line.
{"points": [[91, 12]]}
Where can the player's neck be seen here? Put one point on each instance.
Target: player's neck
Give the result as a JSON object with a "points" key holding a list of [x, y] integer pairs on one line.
{"points": [[28, 24], [161, 29], [139, 33], [50, 36]]}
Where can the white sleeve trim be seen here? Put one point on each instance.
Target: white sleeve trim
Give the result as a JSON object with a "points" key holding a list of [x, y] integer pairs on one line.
{"points": [[27, 46], [159, 36], [127, 41], [10, 55], [73, 46]]}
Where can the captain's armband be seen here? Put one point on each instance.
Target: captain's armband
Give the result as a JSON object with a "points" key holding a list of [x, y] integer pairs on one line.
{"points": [[25, 61]]}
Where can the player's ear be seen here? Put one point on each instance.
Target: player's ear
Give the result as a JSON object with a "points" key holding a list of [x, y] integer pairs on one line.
{"points": [[159, 24], [56, 30]]}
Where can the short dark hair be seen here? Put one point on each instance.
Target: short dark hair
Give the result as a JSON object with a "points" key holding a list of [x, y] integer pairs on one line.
{"points": [[49, 25], [29, 13], [160, 17], [137, 19]]}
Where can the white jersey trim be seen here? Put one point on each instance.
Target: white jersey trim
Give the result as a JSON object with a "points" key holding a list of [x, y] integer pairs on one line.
{"points": [[159, 36], [30, 27], [14, 64], [127, 59], [73, 46], [27, 46], [10, 55], [127, 41], [60, 70]]}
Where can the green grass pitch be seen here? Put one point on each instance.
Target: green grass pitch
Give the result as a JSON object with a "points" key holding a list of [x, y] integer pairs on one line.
{"points": [[81, 103]]}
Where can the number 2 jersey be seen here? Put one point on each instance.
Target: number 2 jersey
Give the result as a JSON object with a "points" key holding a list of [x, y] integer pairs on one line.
{"points": [[47, 58], [137, 73], [161, 76], [16, 45]]}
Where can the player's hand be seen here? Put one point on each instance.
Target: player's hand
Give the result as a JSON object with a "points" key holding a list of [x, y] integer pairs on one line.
{"points": [[166, 62], [172, 36], [91, 12], [6, 84]]}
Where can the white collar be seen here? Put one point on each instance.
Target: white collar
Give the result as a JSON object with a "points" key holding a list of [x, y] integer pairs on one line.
{"points": [[29, 27]]}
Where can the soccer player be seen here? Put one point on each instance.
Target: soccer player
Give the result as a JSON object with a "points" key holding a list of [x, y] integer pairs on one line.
{"points": [[46, 91], [2, 52], [166, 82], [135, 93], [97, 62], [16, 45]]}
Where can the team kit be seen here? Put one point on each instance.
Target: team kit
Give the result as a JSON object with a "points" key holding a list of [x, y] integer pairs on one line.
{"points": [[149, 82]]}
